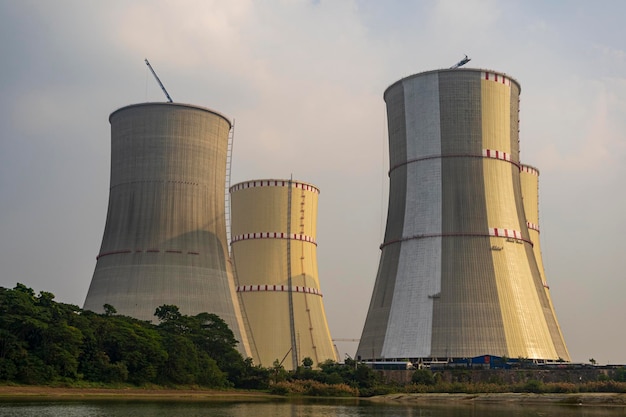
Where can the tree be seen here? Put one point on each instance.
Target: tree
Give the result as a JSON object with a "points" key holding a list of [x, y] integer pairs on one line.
{"points": [[423, 377], [278, 372], [307, 362], [109, 310], [254, 377], [167, 313], [210, 336]]}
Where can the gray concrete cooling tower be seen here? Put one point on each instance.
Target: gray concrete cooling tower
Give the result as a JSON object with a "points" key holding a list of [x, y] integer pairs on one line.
{"points": [[458, 276], [165, 234]]}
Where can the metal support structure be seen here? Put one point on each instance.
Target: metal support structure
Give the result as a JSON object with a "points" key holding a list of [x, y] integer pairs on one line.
{"points": [[461, 62], [169, 99], [229, 160]]}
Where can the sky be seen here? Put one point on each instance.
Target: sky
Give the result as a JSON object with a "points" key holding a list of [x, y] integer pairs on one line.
{"points": [[304, 82]]}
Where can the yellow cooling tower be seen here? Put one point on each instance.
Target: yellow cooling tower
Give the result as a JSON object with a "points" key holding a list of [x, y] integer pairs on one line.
{"points": [[529, 177], [274, 250]]}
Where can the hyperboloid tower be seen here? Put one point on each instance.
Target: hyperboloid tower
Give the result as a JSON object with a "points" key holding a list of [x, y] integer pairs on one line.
{"points": [[165, 235], [458, 277], [274, 249], [529, 177]]}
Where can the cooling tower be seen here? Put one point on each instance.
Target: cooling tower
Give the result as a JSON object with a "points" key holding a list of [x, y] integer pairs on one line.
{"points": [[165, 235], [529, 177], [275, 254], [457, 276]]}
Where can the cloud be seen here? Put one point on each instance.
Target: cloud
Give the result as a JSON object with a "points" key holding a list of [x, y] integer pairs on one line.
{"points": [[304, 81]]}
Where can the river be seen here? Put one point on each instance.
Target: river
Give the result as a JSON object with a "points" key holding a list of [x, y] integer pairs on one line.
{"points": [[301, 408]]}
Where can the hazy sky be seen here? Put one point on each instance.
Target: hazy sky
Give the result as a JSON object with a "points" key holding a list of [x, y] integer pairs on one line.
{"points": [[304, 82]]}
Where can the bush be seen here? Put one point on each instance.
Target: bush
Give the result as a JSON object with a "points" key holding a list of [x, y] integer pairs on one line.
{"points": [[561, 387], [313, 388], [620, 375], [603, 386], [423, 377], [534, 386], [280, 388]]}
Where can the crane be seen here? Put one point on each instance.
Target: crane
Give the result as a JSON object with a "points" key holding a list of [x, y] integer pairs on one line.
{"points": [[169, 99], [461, 62]]}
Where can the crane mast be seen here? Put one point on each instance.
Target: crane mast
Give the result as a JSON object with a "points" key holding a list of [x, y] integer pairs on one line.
{"points": [[159, 81], [461, 62]]}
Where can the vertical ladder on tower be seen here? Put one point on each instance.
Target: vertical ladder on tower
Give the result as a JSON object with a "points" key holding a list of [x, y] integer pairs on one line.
{"points": [[227, 211], [229, 164], [292, 324], [304, 278]]}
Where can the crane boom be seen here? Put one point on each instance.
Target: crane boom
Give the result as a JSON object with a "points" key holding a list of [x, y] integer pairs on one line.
{"points": [[461, 62], [159, 81]]}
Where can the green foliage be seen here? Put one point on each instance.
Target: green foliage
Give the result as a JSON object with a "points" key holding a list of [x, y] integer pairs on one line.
{"points": [[603, 386], [42, 341], [313, 388], [356, 375], [253, 377], [168, 314], [423, 377], [46, 342], [38, 340], [209, 348], [534, 386], [620, 375], [278, 372], [109, 310], [560, 387]]}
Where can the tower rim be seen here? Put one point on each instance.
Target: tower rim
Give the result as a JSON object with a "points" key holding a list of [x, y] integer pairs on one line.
{"points": [[528, 166], [419, 74], [181, 105], [272, 182]]}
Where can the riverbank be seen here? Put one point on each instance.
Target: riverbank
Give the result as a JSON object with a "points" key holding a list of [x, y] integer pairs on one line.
{"points": [[61, 393], [581, 399], [29, 392]]}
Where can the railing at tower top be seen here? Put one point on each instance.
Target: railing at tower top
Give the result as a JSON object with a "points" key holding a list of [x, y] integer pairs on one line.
{"points": [[229, 164]]}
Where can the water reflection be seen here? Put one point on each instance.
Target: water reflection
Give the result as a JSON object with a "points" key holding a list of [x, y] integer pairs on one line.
{"points": [[354, 408]]}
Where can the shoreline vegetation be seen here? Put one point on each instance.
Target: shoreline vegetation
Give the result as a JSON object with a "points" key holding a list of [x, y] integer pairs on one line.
{"points": [[51, 350], [35, 392], [45, 393], [577, 399]]}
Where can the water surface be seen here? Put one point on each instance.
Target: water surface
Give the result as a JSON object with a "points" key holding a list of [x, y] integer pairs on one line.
{"points": [[304, 408]]}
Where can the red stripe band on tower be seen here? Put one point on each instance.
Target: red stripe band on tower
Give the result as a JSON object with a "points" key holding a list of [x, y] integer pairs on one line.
{"points": [[274, 183], [278, 288], [532, 226], [491, 153], [530, 170], [508, 233], [502, 156], [274, 235], [497, 232], [150, 251], [498, 78]]}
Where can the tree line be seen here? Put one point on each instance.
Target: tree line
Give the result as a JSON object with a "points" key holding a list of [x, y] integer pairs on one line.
{"points": [[46, 342], [43, 341]]}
